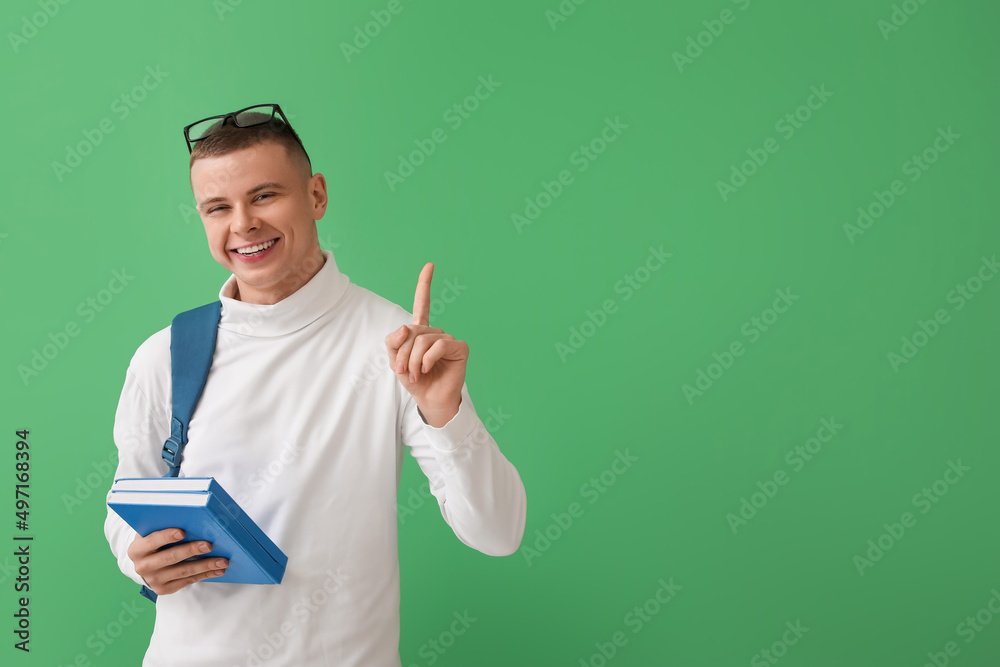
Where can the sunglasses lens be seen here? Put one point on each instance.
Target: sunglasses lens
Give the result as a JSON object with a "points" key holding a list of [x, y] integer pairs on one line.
{"points": [[255, 116], [203, 129]]}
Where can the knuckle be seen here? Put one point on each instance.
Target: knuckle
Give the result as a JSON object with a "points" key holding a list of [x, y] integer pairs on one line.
{"points": [[138, 546], [166, 558], [196, 568], [200, 576], [184, 571]]}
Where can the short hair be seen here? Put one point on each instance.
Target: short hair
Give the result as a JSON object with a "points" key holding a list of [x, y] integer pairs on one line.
{"points": [[225, 137]]}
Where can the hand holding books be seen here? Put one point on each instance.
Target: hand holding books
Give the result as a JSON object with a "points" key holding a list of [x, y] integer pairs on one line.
{"points": [[164, 568], [222, 544]]}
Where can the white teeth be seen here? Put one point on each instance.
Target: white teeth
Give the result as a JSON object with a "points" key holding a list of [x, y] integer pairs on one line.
{"points": [[255, 248]]}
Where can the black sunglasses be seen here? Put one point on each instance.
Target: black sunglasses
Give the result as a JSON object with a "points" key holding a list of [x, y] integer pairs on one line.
{"points": [[259, 114]]}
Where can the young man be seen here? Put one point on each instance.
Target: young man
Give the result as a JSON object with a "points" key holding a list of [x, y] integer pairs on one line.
{"points": [[295, 424]]}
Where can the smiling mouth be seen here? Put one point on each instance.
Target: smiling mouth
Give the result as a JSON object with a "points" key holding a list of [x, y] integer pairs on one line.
{"points": [[254, 250]]}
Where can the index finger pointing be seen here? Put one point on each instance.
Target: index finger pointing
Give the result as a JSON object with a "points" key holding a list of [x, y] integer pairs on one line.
{"points": [[422, 298]]}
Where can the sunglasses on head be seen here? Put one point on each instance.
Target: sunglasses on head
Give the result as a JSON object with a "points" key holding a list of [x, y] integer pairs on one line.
{"points": [[259, 114]]}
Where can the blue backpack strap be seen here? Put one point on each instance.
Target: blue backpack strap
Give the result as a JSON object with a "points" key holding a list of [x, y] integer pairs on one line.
{"points": [[192, 346]]}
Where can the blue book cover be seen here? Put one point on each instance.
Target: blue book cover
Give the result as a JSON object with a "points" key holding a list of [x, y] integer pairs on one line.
{"points": [[210, 485], [204, 515]]}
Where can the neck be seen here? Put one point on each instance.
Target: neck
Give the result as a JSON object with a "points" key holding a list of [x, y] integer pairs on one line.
{"points": [[290, 284]]}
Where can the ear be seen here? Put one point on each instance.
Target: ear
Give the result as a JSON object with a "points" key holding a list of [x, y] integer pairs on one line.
{"points": [[317, 190]]}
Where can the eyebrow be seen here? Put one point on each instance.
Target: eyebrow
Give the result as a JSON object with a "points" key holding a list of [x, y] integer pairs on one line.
{"points": [[274, 185]]}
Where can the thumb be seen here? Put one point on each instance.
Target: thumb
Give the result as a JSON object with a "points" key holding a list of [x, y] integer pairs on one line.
{"points": [[395, 340]]}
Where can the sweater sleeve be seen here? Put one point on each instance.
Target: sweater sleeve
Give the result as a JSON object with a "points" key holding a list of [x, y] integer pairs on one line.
{"points": [[139, 436], [479, 491]]}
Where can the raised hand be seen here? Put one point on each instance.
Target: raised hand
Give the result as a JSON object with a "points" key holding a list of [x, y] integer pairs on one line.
{"points": [[429, 363]]}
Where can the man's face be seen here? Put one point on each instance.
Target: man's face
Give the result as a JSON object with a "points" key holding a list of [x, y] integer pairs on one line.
{"points": [[260, 209]]}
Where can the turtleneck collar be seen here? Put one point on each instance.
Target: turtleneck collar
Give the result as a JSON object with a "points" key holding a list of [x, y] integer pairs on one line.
{"points": [[305, 306]]}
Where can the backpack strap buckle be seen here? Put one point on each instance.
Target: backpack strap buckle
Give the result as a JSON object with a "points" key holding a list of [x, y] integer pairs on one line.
{"points": [[173, 448]]}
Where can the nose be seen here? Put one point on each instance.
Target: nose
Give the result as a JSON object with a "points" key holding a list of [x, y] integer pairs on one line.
{"points": [[244, 220]]}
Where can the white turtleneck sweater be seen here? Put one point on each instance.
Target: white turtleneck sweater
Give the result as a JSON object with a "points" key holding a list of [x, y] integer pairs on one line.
{"points": [[303, 423]]}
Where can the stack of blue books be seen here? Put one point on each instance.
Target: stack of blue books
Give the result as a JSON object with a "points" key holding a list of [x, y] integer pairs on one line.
{"points": [[204, 511]]}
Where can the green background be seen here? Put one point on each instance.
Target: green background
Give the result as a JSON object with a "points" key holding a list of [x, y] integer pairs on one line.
{"points": [[126, 206]]}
